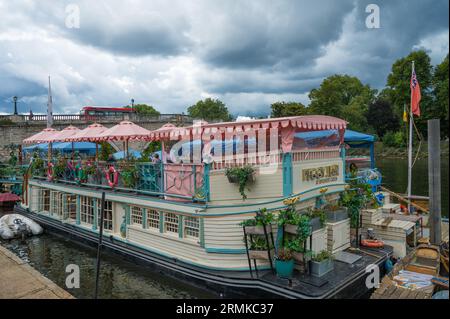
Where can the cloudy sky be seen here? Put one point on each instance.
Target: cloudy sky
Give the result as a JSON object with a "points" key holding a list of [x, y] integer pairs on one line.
{"points": [[170, 54]]}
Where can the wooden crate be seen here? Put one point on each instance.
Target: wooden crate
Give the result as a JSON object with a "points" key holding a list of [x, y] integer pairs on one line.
{"points": [[370, 216], [338, 235], [387, 197], [391, 208]]}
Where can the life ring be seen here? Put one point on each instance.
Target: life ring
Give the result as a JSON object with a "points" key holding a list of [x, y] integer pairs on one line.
{"points": [[108, 172], [372, 243], [50, 171]]}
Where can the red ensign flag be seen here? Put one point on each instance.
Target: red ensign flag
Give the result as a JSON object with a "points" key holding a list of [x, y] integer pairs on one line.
{"points": [[415, 94]]}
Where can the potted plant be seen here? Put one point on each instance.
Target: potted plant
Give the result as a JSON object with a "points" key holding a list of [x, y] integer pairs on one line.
{"points": [[255, 226], [284, 263], [242, 176], [321, 263], [259, 248], [335, 213], [318, 218], [299, 253]]}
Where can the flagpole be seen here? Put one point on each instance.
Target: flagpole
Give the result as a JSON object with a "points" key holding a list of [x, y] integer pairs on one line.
{"points": [[410, 146]]}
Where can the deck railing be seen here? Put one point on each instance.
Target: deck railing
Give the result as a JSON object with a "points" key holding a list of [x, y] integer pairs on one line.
{"points": [[318, 154], [184, 182]]}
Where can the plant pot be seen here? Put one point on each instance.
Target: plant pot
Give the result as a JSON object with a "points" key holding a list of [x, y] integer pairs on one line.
{"points": [[235, 180], [291, 229], [315, 223], [258, 230], [260, 254], [337, 215], [318, 269], [284, 268]]}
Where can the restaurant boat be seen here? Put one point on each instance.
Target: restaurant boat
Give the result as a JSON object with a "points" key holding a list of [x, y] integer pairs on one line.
{"points": [[183, 213]]}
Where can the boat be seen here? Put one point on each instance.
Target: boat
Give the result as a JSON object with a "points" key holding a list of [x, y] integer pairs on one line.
{"points": [[412, 277], [16, 225], [183, 213]]}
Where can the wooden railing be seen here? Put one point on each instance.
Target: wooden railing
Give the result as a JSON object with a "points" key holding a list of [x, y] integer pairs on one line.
{"points": [[310, 155]]}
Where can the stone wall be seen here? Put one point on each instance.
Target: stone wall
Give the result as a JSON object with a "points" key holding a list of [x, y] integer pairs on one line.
{"points": [[15, 130]]}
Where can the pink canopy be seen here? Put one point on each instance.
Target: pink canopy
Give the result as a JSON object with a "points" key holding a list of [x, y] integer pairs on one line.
{"points": [[90, 133], [41, 137], [124, 131], [162, 132], [63, 135], [286, 125]]}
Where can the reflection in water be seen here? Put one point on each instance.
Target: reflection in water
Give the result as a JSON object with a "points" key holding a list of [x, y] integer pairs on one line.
{"points": [[395, 177], [50, 254]]}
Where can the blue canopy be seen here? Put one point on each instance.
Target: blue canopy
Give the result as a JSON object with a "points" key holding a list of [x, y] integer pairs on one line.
{"points": [[64, 147], [121, 154], [350, 137]]}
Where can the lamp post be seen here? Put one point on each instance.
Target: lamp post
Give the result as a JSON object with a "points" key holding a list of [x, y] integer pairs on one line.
{"points": [[15, 104], [132, 103]]}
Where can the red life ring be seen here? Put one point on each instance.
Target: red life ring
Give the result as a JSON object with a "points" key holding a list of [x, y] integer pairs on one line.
{"points": [[108, 172], [50, 171], [372, 243]]}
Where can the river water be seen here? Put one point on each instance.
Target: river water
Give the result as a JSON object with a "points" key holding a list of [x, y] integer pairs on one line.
{"points": [[50, 254], [395, 177]]}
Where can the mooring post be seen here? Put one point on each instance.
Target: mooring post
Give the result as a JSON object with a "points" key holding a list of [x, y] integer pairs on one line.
{"points": [[434, 180], [100, 237]]}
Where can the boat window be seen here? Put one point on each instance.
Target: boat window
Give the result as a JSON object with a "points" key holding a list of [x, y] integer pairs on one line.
{"points": [[107, 214], [171, 223], [71, 207], [56, 203], [191, 227], [136, 215], [315, 140], [153, 219], [45, 200], [86, 210]]}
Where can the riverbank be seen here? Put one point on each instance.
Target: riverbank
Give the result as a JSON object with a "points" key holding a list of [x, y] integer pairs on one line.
{"points": [[383, 151], [18, 280]]}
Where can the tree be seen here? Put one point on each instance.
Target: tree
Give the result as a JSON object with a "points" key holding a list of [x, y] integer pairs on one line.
{"points": [[282, 109], [440, 93], [398, 85], [145, 109], [105, 151], [345, 97], [209, 110], [381, 117]]}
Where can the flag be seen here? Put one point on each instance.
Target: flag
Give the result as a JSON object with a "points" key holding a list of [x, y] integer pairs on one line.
{"points": [[405, 115], [415, 94], [49, 105]]}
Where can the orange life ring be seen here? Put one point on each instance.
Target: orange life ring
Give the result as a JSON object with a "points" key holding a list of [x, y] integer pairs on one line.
{"points": [[108, 172], [373, 243], [50, 171]]}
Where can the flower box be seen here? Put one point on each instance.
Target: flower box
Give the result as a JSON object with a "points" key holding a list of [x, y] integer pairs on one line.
{"points": [[321, 268], [260, 254], [315, 223], [301, 257], [233, 179], [337, 215], [258, 230]]}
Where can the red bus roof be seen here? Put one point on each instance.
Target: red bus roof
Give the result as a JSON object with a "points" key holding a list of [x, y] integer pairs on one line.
{"points": [[108, 108]]}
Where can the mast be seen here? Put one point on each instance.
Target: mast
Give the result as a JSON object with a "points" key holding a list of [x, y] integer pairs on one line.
{"points": [[410, 146], [49, 105]]}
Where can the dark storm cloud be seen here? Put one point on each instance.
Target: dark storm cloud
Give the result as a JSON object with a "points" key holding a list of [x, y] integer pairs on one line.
{"points": [[173, 53]]}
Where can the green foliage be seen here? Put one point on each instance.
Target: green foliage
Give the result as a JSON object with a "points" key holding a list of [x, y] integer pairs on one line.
{"points": [[356, 197], [283, 109], [345, 97], [151, 148], [394, 139], [241, 175], [209, 110], [441, 94], [284, 254], [129, 174], [263, 217], [37, 167], [382, 118], [258, 243], [60, 167], [322, 256], [105, 151], [145, 109]]}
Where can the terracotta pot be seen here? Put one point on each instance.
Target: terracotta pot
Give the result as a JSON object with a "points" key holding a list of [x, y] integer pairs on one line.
{"points": [[301, 257], [291, 229]]}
